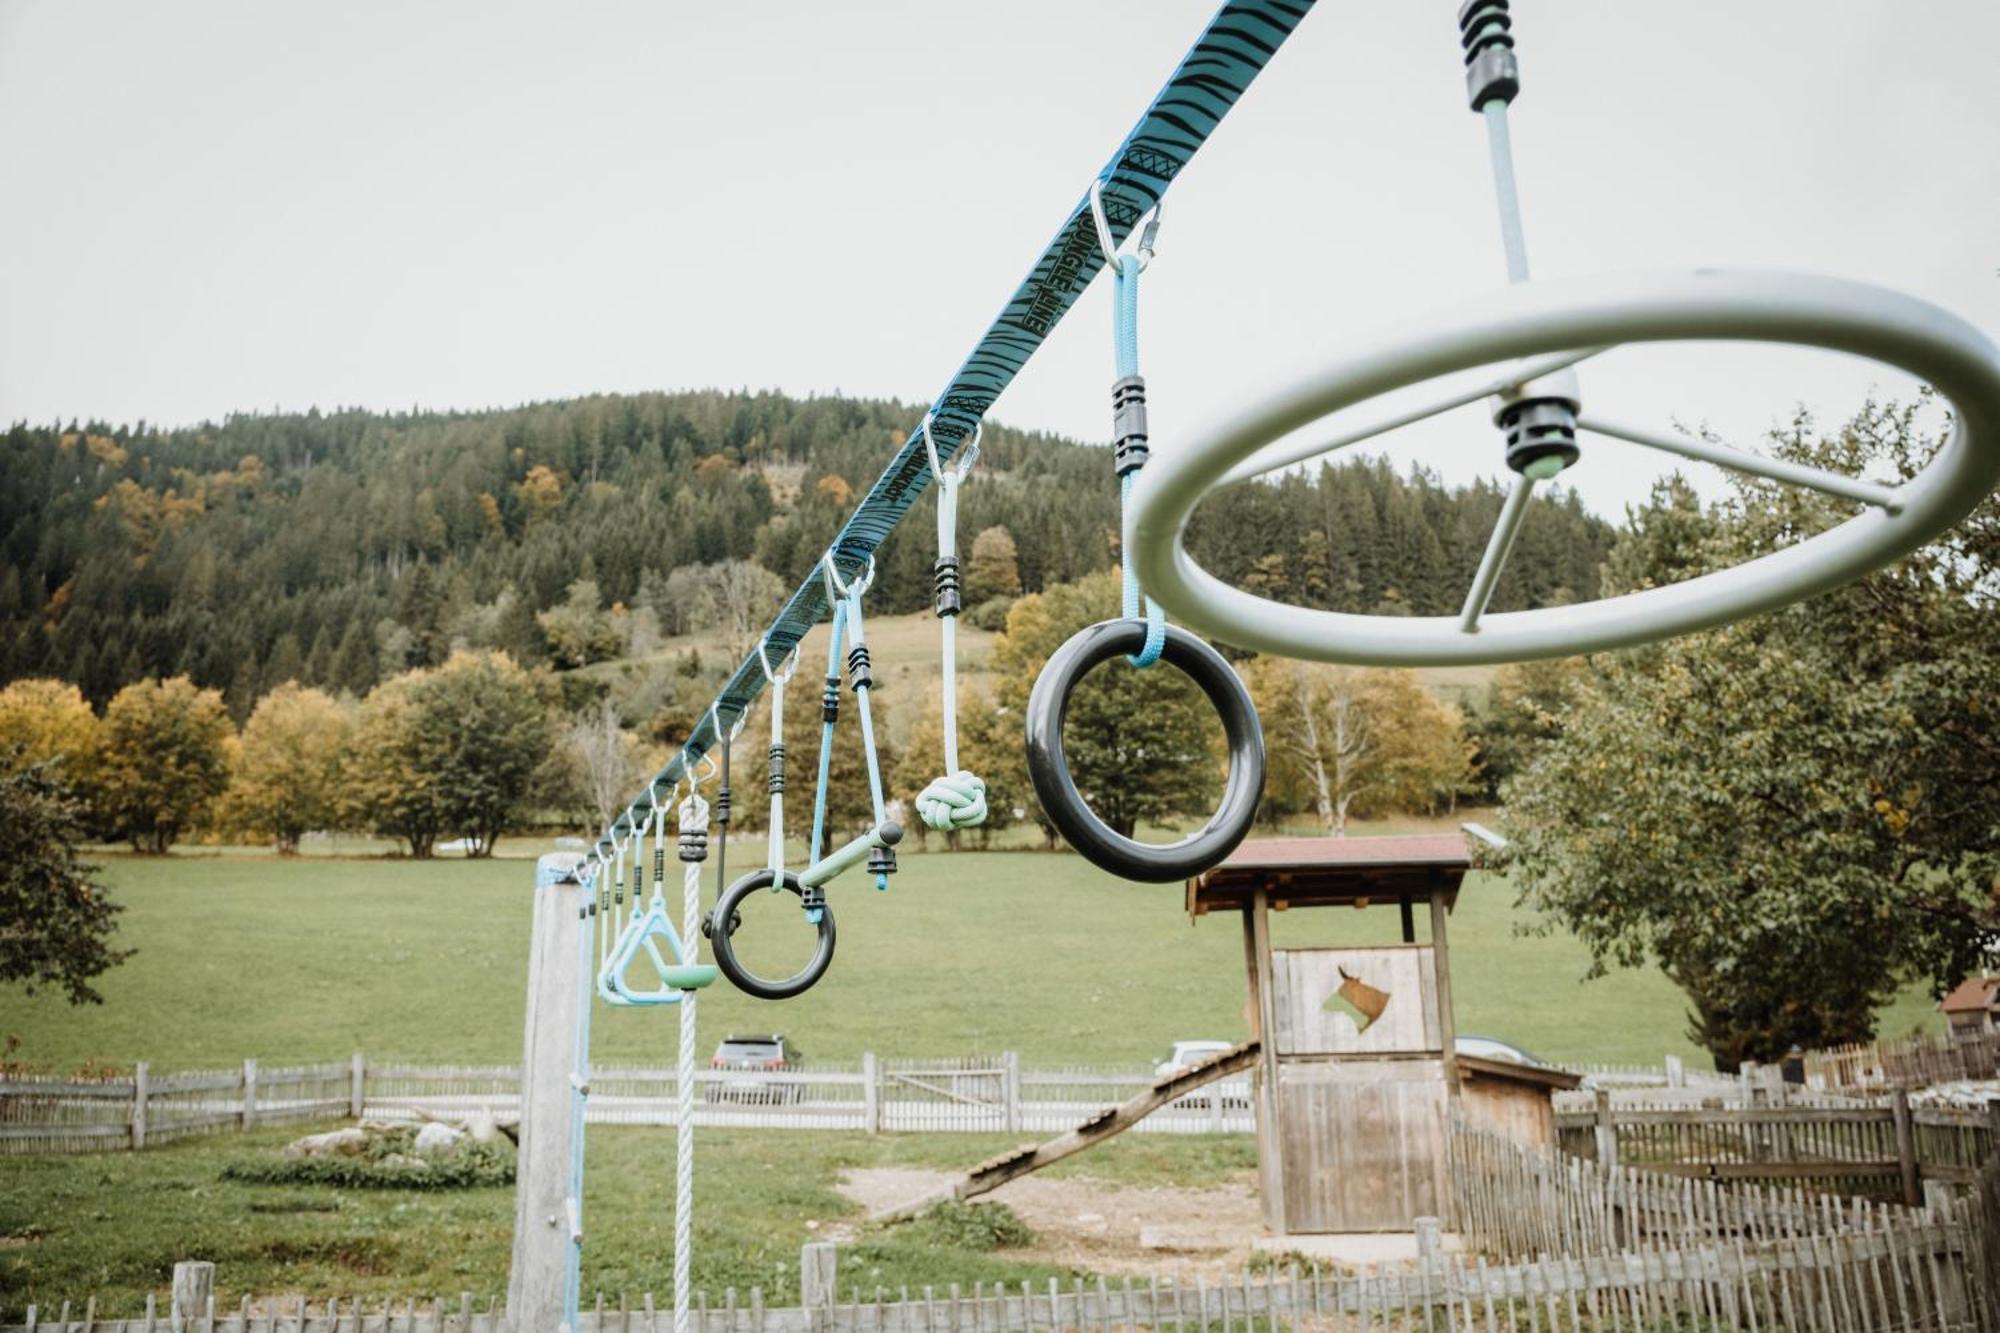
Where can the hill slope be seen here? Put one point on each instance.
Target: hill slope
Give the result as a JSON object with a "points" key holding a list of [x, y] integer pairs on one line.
{"points": [[338, 547]]}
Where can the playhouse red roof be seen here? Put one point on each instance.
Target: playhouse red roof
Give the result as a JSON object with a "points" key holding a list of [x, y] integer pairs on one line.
{"points": [[1974, 995], [1334, 872]]}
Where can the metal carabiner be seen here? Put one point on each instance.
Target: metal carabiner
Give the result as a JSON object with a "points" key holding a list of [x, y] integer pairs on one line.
{"points": [[836, 588], [1147, 228], [784, 673], [963, 463]]}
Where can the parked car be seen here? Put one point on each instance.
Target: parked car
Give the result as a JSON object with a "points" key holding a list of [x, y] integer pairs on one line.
{"points": [[1492, 1048], [762, 1055], [1235, 1089]]}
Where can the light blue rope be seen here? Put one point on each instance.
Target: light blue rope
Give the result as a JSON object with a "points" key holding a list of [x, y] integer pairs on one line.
{"points": [[826, 735], [1125, 334], [868, 730], [580, 1080], [1125, 314]]}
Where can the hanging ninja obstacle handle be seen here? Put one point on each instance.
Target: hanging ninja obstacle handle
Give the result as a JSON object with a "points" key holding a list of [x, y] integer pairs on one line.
{"points": [[1545, 318], [727, 918], [1049, 770], [1232, 49], [721, 924]]}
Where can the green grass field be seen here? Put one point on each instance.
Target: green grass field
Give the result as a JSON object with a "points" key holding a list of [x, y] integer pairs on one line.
{"points": [[114, 1225], [244, 955], [241, 954]]}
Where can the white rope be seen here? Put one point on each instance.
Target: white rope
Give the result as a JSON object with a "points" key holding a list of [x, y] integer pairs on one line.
{"points": [[778, 680], [958, 799], [694, 819]]}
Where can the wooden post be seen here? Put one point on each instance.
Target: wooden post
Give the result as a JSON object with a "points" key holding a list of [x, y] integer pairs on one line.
{"points": [[1447, 1024], [818, 1281], [1606, 1133], [139, 1079], [1010, 1077], [194, 1287], [1906, 1146], [357, 1086], [542, 1204], [1270, 1130], [1430, 1245], [249, 1093], [871, 1094], [1676, 1074]]}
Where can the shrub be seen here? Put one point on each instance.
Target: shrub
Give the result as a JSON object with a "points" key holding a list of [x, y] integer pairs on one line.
{"points": [[991, 614], [388, 1164], [970, 1226]]}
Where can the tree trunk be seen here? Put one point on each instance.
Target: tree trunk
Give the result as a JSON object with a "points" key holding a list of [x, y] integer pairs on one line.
{"points": [[1322, 793]]}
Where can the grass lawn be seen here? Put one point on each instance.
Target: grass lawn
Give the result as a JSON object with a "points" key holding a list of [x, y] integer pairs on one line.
{"points": [[114, 1224], [308, 959]]}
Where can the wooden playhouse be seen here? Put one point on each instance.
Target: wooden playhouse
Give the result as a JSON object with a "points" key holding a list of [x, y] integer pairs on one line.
{"points": [[1358, 1072]]}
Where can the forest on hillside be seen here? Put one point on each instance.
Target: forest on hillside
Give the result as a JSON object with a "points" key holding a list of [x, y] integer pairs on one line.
{"points": [[341, 548]]}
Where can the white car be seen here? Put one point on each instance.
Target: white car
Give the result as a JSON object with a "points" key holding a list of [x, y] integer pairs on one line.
{"points": [[1235, 1090]]}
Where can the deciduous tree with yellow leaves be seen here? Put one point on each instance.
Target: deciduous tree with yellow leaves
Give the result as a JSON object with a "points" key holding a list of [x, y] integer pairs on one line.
{"points": [[163, 759], [288, 766], [1350, 743]]}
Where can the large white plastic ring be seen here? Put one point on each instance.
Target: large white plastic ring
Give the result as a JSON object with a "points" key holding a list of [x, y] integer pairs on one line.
{"points": [[1527, 321]]}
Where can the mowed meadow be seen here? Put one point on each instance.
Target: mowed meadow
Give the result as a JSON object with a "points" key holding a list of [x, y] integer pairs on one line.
{"points": [[310, 958]]}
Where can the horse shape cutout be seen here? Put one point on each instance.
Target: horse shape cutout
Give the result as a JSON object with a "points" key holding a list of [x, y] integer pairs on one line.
{"points": [[1358, 1000]]}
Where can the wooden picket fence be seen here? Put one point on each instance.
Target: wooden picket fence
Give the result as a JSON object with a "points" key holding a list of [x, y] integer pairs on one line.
{"points": [[1516, 1202], [1844, 1283], [971, 1094], [1918, 1061]]}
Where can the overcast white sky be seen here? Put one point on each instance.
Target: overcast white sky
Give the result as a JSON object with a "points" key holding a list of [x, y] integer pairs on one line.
{"points": [[215, 207]]}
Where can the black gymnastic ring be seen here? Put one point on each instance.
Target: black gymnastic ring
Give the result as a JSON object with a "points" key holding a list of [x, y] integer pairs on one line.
{"points": [[1064, 805], [719, 939]]}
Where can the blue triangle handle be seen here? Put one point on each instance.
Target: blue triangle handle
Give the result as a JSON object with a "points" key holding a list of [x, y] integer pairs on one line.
{"points": [[641, 937]]}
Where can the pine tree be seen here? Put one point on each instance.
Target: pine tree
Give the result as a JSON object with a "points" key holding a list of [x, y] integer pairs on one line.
{"points": [[354, 661]]}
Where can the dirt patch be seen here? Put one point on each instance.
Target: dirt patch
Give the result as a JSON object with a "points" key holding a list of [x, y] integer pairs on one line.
{"points": [[1144, 1230]]}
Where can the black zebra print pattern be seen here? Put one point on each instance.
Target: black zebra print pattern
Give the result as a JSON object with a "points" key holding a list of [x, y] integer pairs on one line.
{"points": [[1238, 42]]}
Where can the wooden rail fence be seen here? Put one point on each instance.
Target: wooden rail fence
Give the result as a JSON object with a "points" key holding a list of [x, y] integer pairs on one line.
{"points": [[1884, 1146], [968, 1094], [77, 1114]]}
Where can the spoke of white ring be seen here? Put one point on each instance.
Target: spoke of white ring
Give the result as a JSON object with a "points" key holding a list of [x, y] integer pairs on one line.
{"points": [[1775, 469], [1505, 529], [1270, 460]]}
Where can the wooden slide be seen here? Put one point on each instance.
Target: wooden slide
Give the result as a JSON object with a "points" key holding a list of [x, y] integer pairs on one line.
{"points": [[991, 1174]]}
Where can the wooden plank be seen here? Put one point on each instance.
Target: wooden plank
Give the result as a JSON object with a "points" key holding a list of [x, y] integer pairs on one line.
{"points": [[997, 1171], [1365, 1144], [1778, 1170], [1308, 1019], [112, 1090]]}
